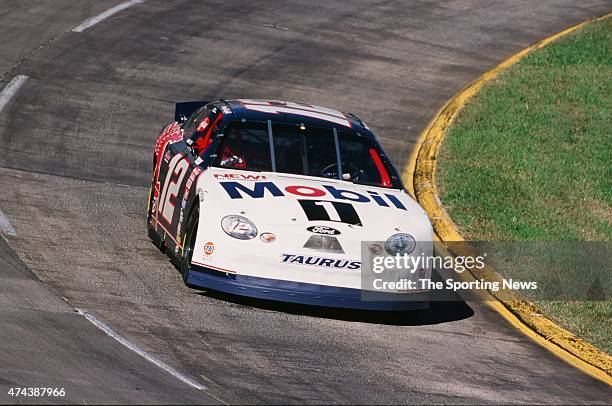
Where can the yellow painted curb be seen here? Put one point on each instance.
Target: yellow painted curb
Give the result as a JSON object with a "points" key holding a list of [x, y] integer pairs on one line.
{"points": [[419, 175]]}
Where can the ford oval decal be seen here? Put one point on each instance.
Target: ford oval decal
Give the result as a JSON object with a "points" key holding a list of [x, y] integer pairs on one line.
{"points": [[323, 230]]}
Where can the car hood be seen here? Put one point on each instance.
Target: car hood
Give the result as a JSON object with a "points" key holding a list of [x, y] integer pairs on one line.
{"points": [[274, 201]]}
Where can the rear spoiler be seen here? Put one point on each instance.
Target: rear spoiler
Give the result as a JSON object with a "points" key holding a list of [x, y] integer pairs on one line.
{"points": [[184, 110]]}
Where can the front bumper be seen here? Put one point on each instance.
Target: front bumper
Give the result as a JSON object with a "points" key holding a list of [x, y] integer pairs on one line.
{"points": [[303, 293]]}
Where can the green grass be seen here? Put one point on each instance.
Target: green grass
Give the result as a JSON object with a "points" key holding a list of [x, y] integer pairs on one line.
{"points": [[530, 159]]}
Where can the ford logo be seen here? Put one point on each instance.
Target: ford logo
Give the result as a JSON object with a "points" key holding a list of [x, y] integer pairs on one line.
{"points": [[323, 230]]}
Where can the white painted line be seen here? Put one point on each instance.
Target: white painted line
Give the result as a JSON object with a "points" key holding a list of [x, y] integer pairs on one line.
{"points": [[91, 21], [130, 345], [5, 225], [9, 91]]}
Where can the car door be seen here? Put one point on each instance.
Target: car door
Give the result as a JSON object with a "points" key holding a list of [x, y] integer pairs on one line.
{"points": [[180, 168]]}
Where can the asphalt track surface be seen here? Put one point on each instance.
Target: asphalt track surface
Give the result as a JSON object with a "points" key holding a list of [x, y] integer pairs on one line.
{"points": [[76, 143]]}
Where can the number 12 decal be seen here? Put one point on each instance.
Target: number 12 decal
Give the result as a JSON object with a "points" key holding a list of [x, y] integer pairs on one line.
{"points": [[177, 168], [323, 210]]}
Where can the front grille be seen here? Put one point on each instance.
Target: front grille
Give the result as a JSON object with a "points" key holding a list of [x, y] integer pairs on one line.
{"points": [[325, 243]]}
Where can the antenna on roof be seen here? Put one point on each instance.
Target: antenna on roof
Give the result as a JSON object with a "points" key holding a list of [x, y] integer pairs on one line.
{"points": [[354, 117]]}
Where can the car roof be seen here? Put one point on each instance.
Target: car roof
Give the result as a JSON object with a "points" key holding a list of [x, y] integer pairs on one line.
{"points": [[291, 112]]}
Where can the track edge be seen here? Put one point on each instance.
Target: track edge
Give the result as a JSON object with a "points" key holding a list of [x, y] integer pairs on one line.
{"points": [[419, 176]]}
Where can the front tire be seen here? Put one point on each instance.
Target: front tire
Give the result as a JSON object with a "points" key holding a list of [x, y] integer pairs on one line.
{"points": [[191, 234]]}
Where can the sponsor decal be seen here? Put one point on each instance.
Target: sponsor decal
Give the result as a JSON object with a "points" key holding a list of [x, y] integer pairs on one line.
{"points": [[209, 248], [226, 110], [259, 190], [321, 262], [177, 246], [171, 134], [179, 226], [203, 124], [323, 230], [239, 176], [194, 174]]}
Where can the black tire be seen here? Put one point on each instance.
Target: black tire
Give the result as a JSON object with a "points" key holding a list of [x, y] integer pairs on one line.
{"points": [[191, 233], [155, 238], [150, 195], [150, 206]]}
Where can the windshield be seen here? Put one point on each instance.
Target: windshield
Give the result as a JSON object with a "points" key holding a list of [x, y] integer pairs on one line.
{"points": [[298, 149]]}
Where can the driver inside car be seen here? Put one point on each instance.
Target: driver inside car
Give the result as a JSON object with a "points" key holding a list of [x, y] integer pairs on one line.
{"points": [[230, 156]]}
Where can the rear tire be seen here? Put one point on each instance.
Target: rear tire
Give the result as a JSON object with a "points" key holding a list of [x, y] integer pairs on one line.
{"points": [[155, 238]]}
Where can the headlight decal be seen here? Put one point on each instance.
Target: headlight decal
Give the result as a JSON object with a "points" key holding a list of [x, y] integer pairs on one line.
{"points": [[239, 227], [401, 244]]}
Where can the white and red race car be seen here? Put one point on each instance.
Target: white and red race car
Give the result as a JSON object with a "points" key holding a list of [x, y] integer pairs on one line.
{"points": [[274, 200]]}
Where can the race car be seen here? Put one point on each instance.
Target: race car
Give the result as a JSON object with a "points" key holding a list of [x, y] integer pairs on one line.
{"points": [[276, 200]]}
